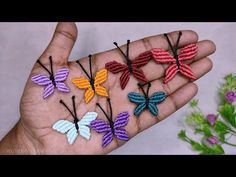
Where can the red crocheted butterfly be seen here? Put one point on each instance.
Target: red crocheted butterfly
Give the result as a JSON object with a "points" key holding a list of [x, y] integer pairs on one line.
{"points": [[131, 66], [176, 61]]}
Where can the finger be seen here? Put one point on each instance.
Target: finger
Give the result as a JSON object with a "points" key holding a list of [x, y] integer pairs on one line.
{"points": [[61, 44], [146, 44], [171, 104], [199, 68], [205, 48], [159, 41]]}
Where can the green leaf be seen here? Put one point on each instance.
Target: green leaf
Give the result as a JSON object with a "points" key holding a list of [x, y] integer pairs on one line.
{"points": [[227, 111], [218, 149], [194, 103], [221, 136], [196, 146], [182, 135], [206, 130], [195, 119], [229, 78], [212, 150], [198, 131], [220, 127]]}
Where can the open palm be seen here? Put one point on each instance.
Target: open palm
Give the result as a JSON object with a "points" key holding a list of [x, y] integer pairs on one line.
{"points": [[38, 114]]}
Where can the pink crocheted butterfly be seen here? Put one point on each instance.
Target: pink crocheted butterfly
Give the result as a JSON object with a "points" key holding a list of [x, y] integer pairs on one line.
{"points": [[52, 81], [176, 61]]}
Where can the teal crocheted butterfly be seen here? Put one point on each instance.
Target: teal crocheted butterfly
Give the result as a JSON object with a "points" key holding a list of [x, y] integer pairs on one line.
{"points": [[146, 102]]}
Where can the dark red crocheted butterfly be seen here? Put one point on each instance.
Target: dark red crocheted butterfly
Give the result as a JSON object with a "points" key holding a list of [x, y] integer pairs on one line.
{"points": [[131, 66], [186, 53]]}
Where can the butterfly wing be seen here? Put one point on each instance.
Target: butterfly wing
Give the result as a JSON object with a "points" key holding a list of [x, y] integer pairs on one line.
{"points": [[87, 118], [121, 134], [62, 87], [124, 78], [138, 99], [162, 56], [107, 138], [121, 120], [157, 97], [187, 71], [41, 80], [100, 90], [72, 135], [65, 126], [153, 109], [61, 75], [138, 74], [188, 52], [100, 126], [142, 59], [170, 72], [101, 77], [115, 67], [48, 90], [140, 108], [89, 93], [83, 124], [83, 83]]}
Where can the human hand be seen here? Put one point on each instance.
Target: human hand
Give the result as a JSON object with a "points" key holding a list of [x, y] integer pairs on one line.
{"points": [[33, 134]]}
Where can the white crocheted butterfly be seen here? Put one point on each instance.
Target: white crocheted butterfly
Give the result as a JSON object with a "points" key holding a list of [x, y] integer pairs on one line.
{"points": [[73, 129]]}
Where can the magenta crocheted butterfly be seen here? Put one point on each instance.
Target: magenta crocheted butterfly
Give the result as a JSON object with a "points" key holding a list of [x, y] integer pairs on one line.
{"points": [[111, 128], [52, 81]]}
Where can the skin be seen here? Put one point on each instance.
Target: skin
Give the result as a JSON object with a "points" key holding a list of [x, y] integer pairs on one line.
{"points": [[33, 133]]}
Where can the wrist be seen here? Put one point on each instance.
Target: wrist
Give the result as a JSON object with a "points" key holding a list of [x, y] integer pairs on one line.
{"points": [[17, 141]]}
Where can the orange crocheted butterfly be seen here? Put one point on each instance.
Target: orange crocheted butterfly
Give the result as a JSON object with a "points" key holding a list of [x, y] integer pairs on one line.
{"points": [[91, 84]]}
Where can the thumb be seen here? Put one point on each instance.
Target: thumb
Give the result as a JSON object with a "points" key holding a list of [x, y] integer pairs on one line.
{"points": [[61, 44]]}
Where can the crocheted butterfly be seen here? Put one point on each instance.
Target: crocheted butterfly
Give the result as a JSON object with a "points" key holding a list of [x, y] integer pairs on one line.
{"points": [[91, 85], [176, 61], [72, 129], [51, 82], [146, 102], [111, 128], [131, 66]]}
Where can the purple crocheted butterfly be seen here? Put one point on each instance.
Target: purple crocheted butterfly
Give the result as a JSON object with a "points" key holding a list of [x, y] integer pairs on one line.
{"points": [[110, 128], [51, 82]]}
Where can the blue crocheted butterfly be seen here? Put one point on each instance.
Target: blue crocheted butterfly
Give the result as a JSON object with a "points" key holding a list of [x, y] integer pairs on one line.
{"points": [[146, 102]]}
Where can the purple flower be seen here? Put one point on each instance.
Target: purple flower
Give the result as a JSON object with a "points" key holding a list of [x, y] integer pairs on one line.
{"points": [[213, 140], [211, 118], [230, 96]]}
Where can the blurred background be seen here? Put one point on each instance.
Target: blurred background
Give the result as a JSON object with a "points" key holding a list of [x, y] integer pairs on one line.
{"points": [[22, 43]]}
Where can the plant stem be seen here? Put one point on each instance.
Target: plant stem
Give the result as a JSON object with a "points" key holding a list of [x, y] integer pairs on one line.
{"points": [[231, 130], [200, 111], [230, 144]]}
